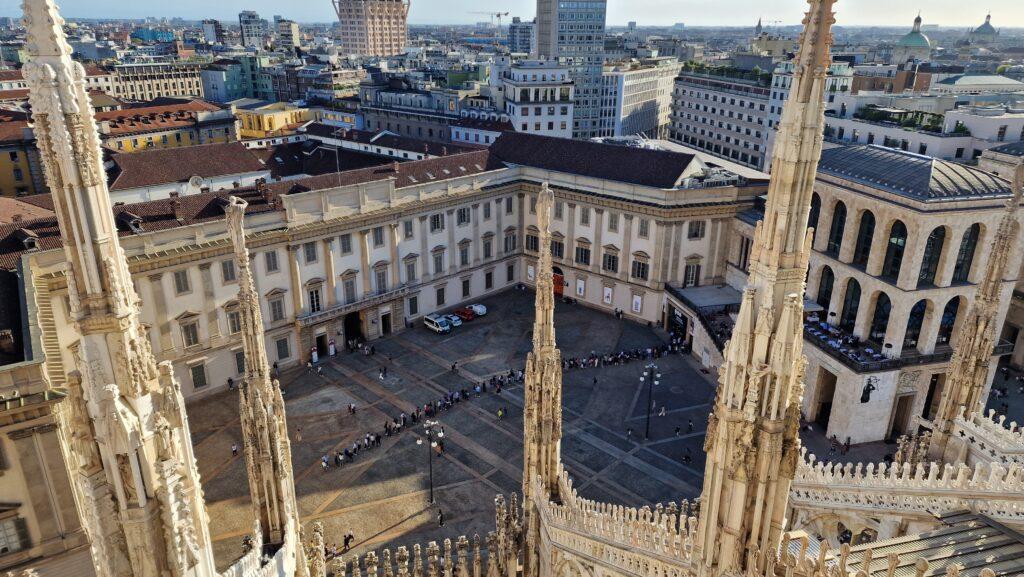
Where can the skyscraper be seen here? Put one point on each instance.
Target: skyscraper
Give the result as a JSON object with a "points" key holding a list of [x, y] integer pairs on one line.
{"points": [[253, 29], [521, 36], [574, 33], [372, 27]]}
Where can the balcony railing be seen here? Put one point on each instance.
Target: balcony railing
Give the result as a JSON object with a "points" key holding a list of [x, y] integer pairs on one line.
{"points": [[345, 308]]}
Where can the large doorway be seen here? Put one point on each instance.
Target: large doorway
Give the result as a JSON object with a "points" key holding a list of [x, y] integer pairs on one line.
{"points": [[385, 324], [901, 416], [826, 392], [558, 279], [321, 346], [353, 327]]}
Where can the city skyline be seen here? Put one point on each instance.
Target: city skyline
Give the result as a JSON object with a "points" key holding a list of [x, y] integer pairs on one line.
{"points": [[946, 13]]}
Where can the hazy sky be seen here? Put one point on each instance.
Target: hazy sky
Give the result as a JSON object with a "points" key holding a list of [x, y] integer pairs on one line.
{"points": [[958, 13]]}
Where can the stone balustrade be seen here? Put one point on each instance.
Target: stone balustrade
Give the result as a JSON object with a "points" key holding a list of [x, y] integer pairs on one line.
{"points": [[990, 438]]}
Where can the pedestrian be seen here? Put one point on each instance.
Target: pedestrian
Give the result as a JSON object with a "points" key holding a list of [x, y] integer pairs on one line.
{"points": [[373, 350], [689, 426], [309, 366], [661, 413], [320, 370], [298, 435], [678, 431], [455, 366], [629, 432], [500, 414], [347, 543], [440, 518], [323, 462], [234, 450]]}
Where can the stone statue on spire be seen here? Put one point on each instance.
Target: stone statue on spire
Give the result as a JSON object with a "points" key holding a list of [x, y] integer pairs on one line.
{"points": [[752, 440], [542, 420], [132, 458], [261, 406], [969, 373]]}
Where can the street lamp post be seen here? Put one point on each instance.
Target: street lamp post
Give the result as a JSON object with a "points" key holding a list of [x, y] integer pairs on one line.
{"points": [[434, 432], [651, 376]]}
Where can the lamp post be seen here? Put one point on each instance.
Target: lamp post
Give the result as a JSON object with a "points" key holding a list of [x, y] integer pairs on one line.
{"points": [[434, 432], [651, 376]]}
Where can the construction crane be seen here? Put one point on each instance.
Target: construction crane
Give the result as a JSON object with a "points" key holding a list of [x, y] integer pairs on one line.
{"points": [[493, 15]]}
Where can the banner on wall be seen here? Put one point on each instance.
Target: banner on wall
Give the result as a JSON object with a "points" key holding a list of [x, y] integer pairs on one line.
{"points": [[638, 303], [581, 287], [607, 295], [529, 272]]}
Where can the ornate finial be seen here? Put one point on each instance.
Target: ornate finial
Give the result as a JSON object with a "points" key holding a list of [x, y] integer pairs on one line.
{"points": [[44, 29]]}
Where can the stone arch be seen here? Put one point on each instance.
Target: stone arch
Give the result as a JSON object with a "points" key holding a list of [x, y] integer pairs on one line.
{"points": [[951, 320], [921, 310], [895, 249], [865, 236], [815, 212], [569, 567], [826, 285], [934, 255], [881, 310], [836, 229], [851, 305], [967, 252]]}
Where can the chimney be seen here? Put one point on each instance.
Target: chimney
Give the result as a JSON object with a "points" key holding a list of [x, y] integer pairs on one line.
{"points": [[176, 207]]}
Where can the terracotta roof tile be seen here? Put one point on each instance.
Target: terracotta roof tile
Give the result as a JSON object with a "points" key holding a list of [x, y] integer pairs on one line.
{"points": [[161, 166]]}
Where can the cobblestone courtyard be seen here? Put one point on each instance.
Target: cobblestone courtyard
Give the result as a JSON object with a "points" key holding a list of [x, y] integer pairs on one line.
{"points": [[382, 497]]}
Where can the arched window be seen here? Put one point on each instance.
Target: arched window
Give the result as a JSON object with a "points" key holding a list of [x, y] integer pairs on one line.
{"points": [[835, 233], [914, 323], [828, 279], [864, 235], [880, 320], [850, 305], [948, 321], [932, 254], [812, 218], [965, 256], [894, 251]]}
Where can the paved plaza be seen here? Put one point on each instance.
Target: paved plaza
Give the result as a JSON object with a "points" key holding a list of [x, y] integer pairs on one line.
{"points": [[382, 497]]}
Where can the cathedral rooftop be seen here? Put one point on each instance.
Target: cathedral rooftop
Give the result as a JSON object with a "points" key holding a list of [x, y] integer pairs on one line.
{"points": [[911, 175]]}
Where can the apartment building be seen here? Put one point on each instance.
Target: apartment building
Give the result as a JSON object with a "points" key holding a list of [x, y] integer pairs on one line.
{"points": [[166, 124], [637, 97], [372, 27], [723, 112], [253, 29], [288, 36], [539, 97], [522, 37], [151, 80]]}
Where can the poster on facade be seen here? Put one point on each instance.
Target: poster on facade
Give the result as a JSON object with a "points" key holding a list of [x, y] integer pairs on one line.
{"points": [[581, 287], [608, 295], [638, 303], [529, 272]]}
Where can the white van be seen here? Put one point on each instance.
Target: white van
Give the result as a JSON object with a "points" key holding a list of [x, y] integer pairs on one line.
{"points": [[438, 324]]}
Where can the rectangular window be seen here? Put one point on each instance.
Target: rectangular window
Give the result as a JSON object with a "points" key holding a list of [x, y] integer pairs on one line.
{"points": [[436, 222], [309, 252], [345, 241], [464, 255], [640, 270], [227, 269], [465, 288], [557, 249], [583, 255], [382, 280], [533, 205], [190, 334], [532, 243], [691, 275], [410, 271], [508, 205], [439, 262], [182, 284], [407, 227], [439, 295], [487, 211], [234, 322], [378, 236], [510, 242], [414, 306], [488, 280], [613, 222], [696, 229], [559, 210], [610, 262], [283, 350], [270, 260], [350, 290], [644, 228], [240, 362], [487, 248], [276, 310], [315, 305], [198, 373], [585, 216], [462, 216], [510, 272]]}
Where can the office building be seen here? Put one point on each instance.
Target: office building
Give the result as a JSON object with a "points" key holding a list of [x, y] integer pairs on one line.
{"points": [[521, 37], [213, 32], [253, 29], [637, 97], [288, 36], [538, 97], [372, 27]]}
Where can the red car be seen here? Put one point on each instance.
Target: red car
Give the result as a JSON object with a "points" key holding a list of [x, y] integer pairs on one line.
{"points": [[465, 314]]}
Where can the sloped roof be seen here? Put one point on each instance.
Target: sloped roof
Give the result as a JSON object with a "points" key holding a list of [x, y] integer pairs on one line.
{"points": [[1013, 148], [645, 167], [161, 166], [911, 175]]}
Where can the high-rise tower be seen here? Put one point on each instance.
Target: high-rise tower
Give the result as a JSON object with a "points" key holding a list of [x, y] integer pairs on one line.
{"points": [[542, 419], [752, 439], [130, 448], [372, 27], [969, 369]]}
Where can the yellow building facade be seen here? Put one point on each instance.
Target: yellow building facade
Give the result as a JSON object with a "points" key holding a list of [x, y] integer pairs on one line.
{"points": [[258, 119]]}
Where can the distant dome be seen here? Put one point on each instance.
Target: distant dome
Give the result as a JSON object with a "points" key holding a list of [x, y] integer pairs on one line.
{"points": [[987, 27], [915, 38]]}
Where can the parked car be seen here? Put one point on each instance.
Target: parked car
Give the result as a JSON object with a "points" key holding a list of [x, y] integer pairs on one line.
{"points": [[438, 323], [478, 310], [453, 320], [465, 314]]}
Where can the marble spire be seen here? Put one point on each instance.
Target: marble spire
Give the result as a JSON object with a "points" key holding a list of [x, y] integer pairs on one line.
{"points": [[542, 420], [130, 449], [977, 337], [752, 441], [261, 407]]}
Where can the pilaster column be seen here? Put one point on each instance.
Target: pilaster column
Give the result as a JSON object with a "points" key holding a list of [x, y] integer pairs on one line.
{"points": [[212, 316], [396, 266], [49, 487], [849, 235], [677, 248], [930, 328], [860, 327], [364, 261], [477, 243], [453, 248], [595, 255], [332, 278], [950, 250], [879, 246], [910, 269], [895, 332], [298, 299], [661, 253], [570, 237], [824, 225], [626, 261], [425, 272], [159, 304]]}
